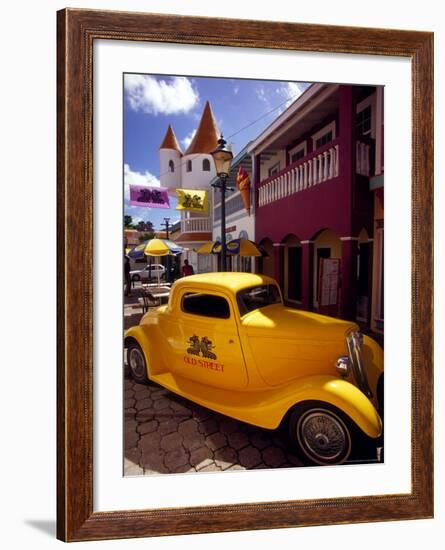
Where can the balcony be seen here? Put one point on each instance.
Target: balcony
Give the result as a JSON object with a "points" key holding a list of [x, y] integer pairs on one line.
{"points": [[314, 169], [196, 225]]}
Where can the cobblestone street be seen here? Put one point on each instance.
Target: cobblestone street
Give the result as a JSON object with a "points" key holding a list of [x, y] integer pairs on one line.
{"points": [[167, 434]]}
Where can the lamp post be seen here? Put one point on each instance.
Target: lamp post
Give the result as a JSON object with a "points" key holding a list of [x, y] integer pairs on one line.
{"points": [[222, 157], [166, 224]]}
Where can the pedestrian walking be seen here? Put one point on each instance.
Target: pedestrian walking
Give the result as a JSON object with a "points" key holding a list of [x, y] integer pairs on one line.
{"points": [[187, 269]]}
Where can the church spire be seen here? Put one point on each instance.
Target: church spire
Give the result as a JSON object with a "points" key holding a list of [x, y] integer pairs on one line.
{"points": [[206, 138], [170, 141]]}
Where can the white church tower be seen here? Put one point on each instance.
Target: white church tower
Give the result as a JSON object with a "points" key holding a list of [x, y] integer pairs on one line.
{"points": [[194, 169], [170, 159], [198, 167]]}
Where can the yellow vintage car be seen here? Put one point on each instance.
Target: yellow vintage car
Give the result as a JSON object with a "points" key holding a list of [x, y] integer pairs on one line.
{"points": [[227, 342]]}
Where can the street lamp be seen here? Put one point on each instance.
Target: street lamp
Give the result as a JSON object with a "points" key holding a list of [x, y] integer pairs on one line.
{"points": [[222, 157], [167, 235]]}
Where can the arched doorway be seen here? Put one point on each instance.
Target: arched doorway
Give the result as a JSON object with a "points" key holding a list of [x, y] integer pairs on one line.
{"points": [[292, 269], [266, 265], [327, 244]]}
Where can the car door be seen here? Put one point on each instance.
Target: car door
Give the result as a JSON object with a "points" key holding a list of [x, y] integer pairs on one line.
{"points": [[205, 343], [144, 273]]}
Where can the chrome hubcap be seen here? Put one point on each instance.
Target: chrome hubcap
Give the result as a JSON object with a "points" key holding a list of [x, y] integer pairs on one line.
{"points": [[137, 362], [324, 436]]}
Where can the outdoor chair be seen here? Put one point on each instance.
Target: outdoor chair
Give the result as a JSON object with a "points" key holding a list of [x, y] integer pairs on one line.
{"points": [[147, 300]]}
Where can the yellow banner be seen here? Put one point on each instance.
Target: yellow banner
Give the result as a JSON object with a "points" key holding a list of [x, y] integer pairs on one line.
{"points": [[193, 199]]}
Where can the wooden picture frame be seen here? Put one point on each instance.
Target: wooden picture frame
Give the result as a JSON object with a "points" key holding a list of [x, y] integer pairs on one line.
{"points": [[77, 31]]}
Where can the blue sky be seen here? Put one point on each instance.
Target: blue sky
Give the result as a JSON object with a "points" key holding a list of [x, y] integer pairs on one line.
{"points": [[152, 102]]}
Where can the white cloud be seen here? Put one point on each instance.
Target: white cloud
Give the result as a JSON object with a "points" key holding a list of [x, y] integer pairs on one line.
{"points": [[188, 138], [292, 91], [261, 94], [264, 96], [236, 89], [150, 95], [139, 178]]}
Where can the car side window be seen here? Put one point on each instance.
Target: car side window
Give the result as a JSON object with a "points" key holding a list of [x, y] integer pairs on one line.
{"points": [[206, 305]]}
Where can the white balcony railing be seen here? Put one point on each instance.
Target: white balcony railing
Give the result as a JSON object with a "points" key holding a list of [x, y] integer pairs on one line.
{"points": [[195, 225], [306, 173]]}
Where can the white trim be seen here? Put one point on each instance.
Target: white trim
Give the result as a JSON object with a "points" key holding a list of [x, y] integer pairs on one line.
{"points": [[278, 244], [369, 101], [274, 169], [307, 242], [349, 238], [326, 129], [296, 149]]}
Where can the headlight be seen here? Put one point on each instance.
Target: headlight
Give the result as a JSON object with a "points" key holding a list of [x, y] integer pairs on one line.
{"points": [[343, 366], [354, 341]]}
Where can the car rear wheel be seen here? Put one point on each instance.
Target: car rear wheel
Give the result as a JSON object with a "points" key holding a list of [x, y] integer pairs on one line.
{"points": [[136, 278], [136, 362], [321, 434]]}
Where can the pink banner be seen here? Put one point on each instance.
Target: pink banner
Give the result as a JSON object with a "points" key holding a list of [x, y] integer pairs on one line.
{"points": [[152, 197]]}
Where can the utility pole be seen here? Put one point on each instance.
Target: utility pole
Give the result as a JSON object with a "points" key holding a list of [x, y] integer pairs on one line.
{"points": [[166, 224]]}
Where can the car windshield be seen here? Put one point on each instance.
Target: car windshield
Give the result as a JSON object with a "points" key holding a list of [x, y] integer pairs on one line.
{"points": [[257, 297]]}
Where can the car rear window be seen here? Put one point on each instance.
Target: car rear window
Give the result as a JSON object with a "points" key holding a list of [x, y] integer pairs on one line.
{"points": [[256, 297], [207, 305]]}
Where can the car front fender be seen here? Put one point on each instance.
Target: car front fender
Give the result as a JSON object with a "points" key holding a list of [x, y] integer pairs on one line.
{"points": [[337, 392]]}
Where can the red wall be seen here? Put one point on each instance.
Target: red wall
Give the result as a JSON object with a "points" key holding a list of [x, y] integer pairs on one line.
{"points": [[333, 204], [305, 213]]}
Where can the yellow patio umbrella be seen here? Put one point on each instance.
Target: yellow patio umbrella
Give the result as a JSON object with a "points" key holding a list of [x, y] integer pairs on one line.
{"points": [[244, 247], [212, 247], [156, 247], [161, 247]]}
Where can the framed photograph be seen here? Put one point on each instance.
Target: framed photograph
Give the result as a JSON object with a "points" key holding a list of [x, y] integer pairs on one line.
{"points": [[226, 275]]}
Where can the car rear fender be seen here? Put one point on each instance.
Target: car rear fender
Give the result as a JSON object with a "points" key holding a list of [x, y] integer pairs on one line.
{"points": [[142, 334]]}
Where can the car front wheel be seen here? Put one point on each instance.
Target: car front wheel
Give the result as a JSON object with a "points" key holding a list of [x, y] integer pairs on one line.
{"points": [[322, 434], [136, 362]]}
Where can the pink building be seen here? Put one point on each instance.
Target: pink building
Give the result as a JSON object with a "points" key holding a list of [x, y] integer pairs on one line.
{"points": [[317, 169]]}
